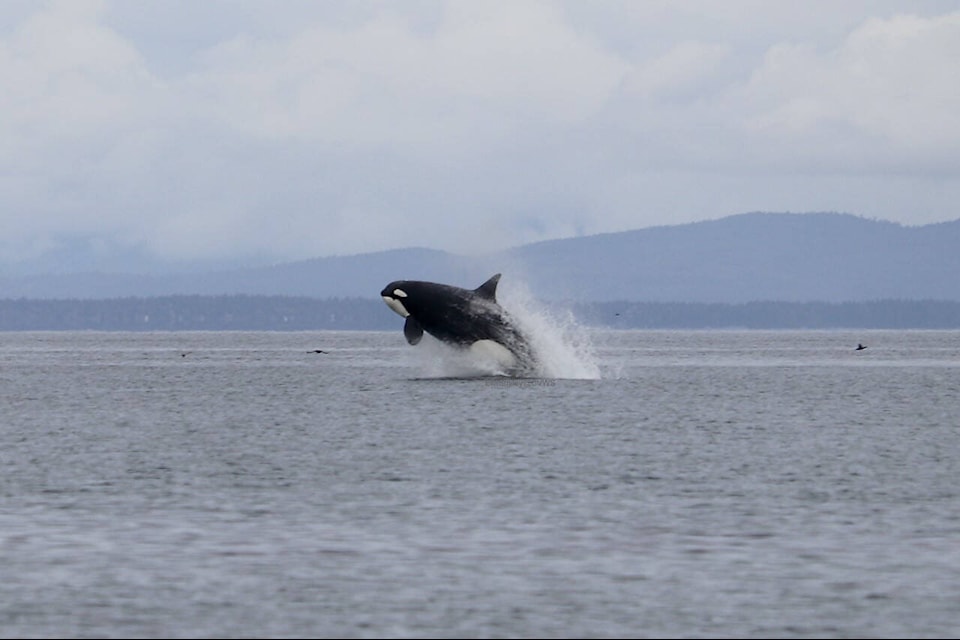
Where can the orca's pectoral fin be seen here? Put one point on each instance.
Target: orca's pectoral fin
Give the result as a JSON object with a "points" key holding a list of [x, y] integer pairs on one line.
{"points": [[412, 330]]}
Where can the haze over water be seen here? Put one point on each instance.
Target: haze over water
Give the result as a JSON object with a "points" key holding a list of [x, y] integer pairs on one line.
{"points": [[683, 484]]}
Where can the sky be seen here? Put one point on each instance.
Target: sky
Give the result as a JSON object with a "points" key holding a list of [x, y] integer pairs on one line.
{"points": [[273, 131]]}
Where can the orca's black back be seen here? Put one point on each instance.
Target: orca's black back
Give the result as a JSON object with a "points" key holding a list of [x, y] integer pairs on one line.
{"points": [[453, 314]]}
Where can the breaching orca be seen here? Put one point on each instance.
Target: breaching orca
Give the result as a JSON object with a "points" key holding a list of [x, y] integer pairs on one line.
{"points": [[465, 318]]}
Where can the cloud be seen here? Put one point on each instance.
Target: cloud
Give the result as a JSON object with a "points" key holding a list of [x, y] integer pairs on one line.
{"points": [[681, 71], [76, 97], [384, 83], [887, 88], [210, 130], [66, 75]]}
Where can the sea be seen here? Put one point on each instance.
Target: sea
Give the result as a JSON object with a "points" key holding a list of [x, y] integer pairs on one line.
{"points": [[644, 484]]}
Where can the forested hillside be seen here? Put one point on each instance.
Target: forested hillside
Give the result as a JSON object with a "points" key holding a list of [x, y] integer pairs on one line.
{"points": [[810, 257], [279, 313]]}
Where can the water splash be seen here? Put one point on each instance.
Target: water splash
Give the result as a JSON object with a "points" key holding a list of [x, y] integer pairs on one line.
{"points": [[438, 360], [562, 345]]}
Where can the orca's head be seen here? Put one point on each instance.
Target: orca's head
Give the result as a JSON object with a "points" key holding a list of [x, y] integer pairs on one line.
{"points": [[395, 294]]}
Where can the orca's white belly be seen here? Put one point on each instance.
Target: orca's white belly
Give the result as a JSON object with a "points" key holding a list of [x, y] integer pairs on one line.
{"points": [[493, 352]]}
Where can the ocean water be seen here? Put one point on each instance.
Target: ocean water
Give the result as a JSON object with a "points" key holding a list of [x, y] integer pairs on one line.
{"points": [[649, 484]]}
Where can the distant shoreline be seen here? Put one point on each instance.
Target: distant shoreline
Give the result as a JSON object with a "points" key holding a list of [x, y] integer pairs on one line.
{"points": [[284, 313]]}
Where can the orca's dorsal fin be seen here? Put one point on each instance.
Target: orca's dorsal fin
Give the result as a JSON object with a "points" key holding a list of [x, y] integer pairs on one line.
{"points": [[488, 289], [412, 330]]}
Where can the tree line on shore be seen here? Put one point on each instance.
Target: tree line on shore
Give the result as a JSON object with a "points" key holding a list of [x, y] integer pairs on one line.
{"points": [[283, 313]]}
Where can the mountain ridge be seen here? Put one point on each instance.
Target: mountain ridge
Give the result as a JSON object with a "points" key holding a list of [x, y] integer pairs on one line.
{"points": [[793, 257]]}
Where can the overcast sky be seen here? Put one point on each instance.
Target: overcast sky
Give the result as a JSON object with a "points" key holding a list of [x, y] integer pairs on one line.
{"points": [[285, 130]]}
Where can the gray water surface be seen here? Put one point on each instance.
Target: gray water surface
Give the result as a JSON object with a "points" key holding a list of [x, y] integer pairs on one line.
{"points": [[703, 484]]}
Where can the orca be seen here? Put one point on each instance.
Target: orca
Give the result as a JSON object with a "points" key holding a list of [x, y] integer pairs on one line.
{"points": [[463, 318]]}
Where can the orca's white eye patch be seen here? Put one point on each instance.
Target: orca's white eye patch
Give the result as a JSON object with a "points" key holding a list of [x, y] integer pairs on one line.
{"points": [[400, 293]]}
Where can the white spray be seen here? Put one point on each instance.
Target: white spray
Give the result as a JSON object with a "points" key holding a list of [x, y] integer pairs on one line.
{"points": [[562, 346]]}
